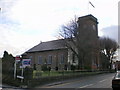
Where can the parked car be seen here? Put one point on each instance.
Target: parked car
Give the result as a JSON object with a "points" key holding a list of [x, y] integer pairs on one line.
{"points": [[116, 80]]}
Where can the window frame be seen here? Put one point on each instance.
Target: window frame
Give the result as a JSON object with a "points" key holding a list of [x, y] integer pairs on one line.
{"points": [[49, 60], [62, 59], [40, 60]]}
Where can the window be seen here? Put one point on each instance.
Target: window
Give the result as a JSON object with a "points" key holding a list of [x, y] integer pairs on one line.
{"points": [[61, 59], [49, 61], [94, 28], [39, 59], [118, 75]]}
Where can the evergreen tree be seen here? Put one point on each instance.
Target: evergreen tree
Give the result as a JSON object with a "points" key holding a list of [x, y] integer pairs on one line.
{"points": [[7, 64]]}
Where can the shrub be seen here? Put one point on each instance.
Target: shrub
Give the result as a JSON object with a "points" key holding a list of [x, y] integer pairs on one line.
{"points": [[72, 67], [44, 68], [28, 73]]}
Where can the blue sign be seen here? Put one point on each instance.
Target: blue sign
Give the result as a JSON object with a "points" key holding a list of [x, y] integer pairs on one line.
{"points": [[26, 62]]}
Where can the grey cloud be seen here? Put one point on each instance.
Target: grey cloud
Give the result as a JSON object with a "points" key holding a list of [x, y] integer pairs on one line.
{"points": [[111, 32]]}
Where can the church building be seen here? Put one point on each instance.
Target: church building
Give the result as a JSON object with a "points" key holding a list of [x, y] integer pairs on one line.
{"points": [[57, 56]]}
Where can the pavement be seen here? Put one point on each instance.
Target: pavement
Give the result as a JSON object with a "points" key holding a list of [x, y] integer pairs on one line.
{"points": [[8, 87]]}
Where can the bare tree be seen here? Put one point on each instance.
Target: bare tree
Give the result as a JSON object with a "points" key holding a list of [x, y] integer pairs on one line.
{"points": [[81, 42], [68, 33], [108, 47]]}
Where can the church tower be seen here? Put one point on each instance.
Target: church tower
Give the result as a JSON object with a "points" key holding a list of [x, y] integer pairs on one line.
{"points": [[88, 22], [88, 36]]}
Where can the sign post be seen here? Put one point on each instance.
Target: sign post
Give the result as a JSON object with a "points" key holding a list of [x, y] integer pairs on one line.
{"points": [[15, 70], [17, 59], [25, 62]]}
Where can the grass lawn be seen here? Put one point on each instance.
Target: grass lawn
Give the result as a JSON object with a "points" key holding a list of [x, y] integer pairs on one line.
{"points": [[39, 74]]}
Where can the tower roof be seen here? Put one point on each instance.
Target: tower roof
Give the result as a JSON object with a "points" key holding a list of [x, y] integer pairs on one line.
{"points": [[90, 17]]}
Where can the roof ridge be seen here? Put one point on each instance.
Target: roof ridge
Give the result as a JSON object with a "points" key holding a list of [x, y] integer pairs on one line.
{"points": [[48, 45], [53, 40]]}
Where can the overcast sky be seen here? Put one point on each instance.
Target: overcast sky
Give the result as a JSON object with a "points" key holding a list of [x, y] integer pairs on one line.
{"points": [[24, 23]]}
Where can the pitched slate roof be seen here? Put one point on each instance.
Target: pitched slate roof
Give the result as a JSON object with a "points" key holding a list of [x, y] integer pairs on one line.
{"points": [[50, 45]]}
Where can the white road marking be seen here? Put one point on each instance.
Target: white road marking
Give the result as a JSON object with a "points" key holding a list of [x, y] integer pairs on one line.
{"points": [[86, 86], [103, 80]]}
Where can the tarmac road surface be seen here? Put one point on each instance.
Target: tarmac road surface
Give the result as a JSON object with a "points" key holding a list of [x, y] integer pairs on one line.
{"points": [[95, 81]]}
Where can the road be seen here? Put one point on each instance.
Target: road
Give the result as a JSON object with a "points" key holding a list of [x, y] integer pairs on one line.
{"points": [[95, 81], [8, 87]]}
